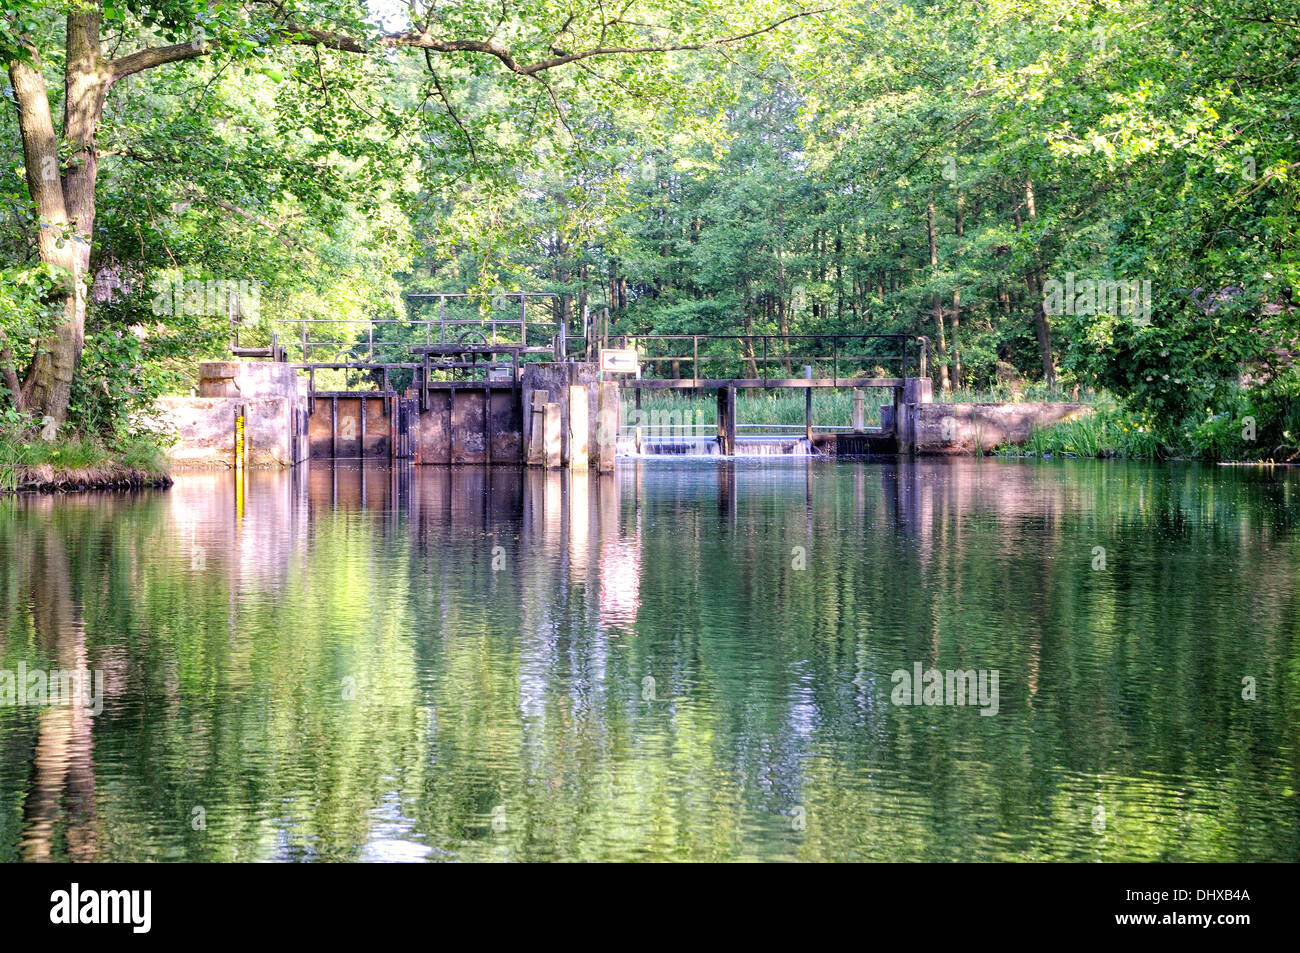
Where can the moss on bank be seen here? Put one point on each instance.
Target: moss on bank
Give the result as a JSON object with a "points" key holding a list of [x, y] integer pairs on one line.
{"points": [[79, 463]]}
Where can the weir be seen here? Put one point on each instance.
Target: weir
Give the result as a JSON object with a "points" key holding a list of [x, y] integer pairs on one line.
{"points": [[711, 447], [490, 390]]}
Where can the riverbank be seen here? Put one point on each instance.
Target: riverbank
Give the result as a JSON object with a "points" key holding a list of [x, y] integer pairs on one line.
{"points": [[79, 463], [1112, 433]]}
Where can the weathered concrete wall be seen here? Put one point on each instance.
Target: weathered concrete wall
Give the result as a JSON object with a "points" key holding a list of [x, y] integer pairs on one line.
{"points": [[204, 428], [915, 392], [249, 379], [556, 379], [275, 411], [971, 428]]}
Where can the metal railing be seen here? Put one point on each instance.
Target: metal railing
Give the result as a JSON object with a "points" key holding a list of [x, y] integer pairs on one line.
{"points": [[381, 346], [754, 356]]}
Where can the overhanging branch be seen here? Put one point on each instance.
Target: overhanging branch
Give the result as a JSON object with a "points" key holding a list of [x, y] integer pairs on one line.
{"points": [[298, 35]]}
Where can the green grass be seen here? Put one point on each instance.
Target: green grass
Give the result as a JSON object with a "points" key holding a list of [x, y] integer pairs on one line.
{"points": [[1108, 432], [1006, 394], [78, 461], [831, 408]]}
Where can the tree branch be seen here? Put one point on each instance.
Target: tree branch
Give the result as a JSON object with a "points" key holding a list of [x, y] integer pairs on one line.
{"points": [[10, 377], [299, 35], [337, 41], [156, 56], [428, 59]]}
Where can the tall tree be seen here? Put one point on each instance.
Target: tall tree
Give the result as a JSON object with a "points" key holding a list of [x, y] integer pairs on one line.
{"points": [[62, 184]]}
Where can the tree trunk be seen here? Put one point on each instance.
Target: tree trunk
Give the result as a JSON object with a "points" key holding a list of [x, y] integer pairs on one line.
{"points": [[582, 302], [747, 347], [941, 350], [65, 204], [956, 299], [1034, 279]]}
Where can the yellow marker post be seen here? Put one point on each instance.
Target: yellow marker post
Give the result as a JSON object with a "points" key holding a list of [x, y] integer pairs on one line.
{"points": [[239, 463]]}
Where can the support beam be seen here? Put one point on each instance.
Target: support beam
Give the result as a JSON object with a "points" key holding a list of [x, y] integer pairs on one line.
{"points": [[901, 435], [638, 422], [607, 409], [487, 425], [579, 414], [536, 451], [727, 421], [554, 436], [807, 406]]}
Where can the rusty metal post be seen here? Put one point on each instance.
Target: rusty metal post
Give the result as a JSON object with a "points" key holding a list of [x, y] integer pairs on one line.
{"points": [[487, 420], [807, 404]]}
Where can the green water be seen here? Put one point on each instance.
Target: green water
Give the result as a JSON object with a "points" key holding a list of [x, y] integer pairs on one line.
{"points": [[450, 664]]}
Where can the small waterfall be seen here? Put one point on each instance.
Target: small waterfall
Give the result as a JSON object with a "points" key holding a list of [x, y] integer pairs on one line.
{"points": [[772, 447], [676, 446]]}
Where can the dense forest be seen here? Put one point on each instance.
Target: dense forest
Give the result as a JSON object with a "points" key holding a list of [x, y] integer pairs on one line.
{"points": [[1059, 195]]}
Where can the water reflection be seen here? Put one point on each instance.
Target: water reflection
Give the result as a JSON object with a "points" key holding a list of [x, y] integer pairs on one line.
{"points": [[689, 659]]}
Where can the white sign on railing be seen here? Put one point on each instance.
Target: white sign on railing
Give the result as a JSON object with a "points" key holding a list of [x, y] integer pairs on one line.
{"points": [[618, 360]]}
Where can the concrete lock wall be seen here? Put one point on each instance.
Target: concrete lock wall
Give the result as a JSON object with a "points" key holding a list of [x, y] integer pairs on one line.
{"points": [[204, 431], [274, 405], [579, 414], [979, 428], [248, 379], [479, 424]]}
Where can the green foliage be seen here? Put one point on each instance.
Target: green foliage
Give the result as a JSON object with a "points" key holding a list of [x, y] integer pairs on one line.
{"points": [[1151, 153], [795, 183], [25, 312], [1107, 432]]}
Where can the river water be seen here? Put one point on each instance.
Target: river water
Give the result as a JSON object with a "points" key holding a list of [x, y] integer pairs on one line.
{"points": [[691, 659]]}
